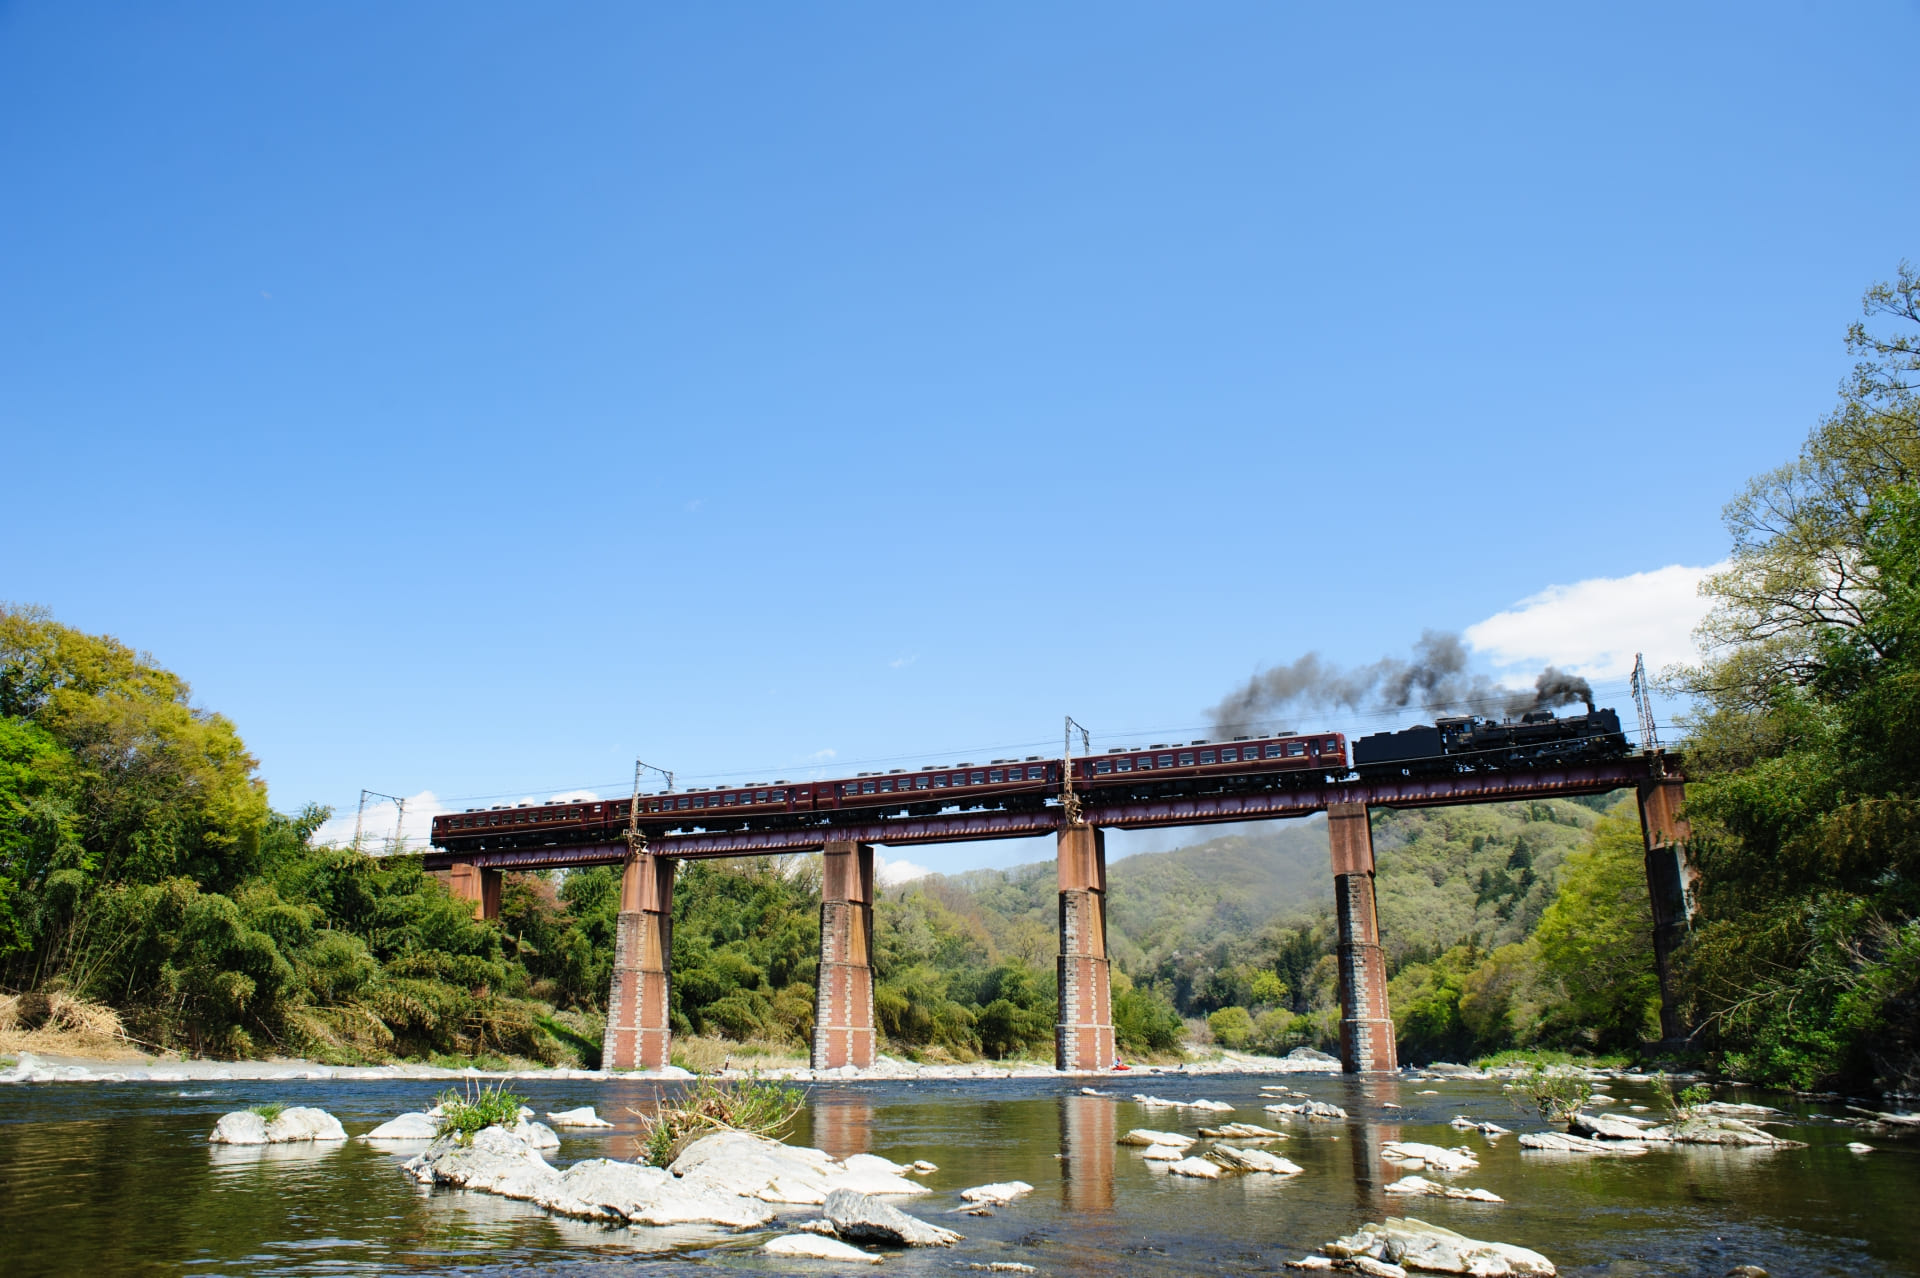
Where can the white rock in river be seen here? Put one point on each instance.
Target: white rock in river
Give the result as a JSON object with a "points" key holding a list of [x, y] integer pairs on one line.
{"points": [[1434, 1189], [921, 1167], [297, 1122], [1567, 1143], [648, 1196], [1859, 1147], [1199, 1168], [754, 1167], [1234, 1158], [406, 1127], [1421, 1157], [1164, 1153], [538, 1135], [1417, 1245], [494, 1162], [861, 1216], [815, 1247], [1608, 1126], [873, 1163], [997, 1194], [581, 1117], [1147, 1136]]}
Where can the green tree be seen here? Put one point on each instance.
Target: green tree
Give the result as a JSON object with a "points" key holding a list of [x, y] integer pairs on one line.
{"points": [[1231, 1026], [1596, 941]]}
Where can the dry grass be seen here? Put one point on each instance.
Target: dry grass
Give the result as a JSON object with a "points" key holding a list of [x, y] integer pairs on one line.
{"points": [[704, 1054], [59, 1024]]}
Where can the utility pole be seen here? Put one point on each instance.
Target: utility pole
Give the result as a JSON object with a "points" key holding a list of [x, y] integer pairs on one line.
{"points": [[1649, 735], [636, 841], [1068, 799], [360, 817]]}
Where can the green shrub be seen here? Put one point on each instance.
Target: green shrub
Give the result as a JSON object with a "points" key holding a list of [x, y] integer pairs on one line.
{"points": [[1231, 1026], [758, 1106], [478, 1108]]}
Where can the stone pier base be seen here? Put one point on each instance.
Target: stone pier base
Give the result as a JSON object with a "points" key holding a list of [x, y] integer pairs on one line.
{"points": [[1670, 879], [843, 1032], [639, 1031], [1083, 1038], [1366, 1025]]}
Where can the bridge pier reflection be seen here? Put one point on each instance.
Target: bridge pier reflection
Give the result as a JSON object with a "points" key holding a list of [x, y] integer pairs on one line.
{"points": [[842, 1127], [1087, 1151]]}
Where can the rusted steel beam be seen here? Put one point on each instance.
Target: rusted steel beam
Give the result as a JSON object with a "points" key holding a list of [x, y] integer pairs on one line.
{"points": [[965, 827]]}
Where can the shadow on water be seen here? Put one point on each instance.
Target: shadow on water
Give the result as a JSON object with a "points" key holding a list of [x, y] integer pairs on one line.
{"points": [[107, 1179]]}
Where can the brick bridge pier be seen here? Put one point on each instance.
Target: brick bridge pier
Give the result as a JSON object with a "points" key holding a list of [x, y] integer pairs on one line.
{"points": [[639, 1031]]}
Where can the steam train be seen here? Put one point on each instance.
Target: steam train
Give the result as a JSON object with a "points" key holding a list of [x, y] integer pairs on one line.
{"points": [[1464, 743]]}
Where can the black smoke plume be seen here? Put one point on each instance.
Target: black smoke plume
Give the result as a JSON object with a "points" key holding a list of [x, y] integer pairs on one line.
{"points": [[1436, 680]]}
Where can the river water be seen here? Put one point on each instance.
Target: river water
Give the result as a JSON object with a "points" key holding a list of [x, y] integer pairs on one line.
{"points": [[105, 1179]]}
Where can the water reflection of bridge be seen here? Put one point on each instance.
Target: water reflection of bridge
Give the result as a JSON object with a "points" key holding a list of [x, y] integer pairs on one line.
{"points": [[637, 1011]]}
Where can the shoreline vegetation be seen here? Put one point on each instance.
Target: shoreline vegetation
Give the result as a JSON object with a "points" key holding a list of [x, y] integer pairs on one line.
{"points": [[152, 899]]}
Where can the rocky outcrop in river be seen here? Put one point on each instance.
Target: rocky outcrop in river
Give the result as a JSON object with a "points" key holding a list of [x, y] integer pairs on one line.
{"points": [[1394, 1247], [295, 1123]]}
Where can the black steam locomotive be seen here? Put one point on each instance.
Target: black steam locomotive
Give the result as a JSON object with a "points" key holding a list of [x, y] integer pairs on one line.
{"points": [[1467, 743]]}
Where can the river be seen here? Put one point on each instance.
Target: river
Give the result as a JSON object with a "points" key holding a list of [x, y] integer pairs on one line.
{"points": [[104, 1179]]}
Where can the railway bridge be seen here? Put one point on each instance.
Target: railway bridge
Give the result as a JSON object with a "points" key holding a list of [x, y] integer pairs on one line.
{"points": [[638, 1028]]}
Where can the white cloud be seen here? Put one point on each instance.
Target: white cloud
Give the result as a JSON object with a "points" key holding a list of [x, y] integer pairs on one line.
{"points": [[901, 663], [892, 873], [379, 820], [1594, 627]]}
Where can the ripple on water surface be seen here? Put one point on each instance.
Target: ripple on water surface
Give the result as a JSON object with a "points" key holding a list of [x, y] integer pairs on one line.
{"points": [[103, 1179]]}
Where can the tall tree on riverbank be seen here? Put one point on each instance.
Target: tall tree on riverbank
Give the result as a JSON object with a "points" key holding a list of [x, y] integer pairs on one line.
{"points": [[1805, 966]]}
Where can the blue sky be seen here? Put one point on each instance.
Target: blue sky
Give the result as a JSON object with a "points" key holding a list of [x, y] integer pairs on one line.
{"points": [[468, 398]]}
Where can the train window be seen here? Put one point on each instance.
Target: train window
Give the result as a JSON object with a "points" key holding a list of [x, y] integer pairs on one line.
{"points": [[868, 787], [759, 796], [1273, 751], [1123, 764], [1186, 759], [700, 802], [1206, 756], [919, 783], [851, 787], [1103, 766], [978, 778], [1230, 755], [939, 780], [1036, 773], [779, 796], [996, 776], [1164, 761], [1295, 749], [886, 785]]}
